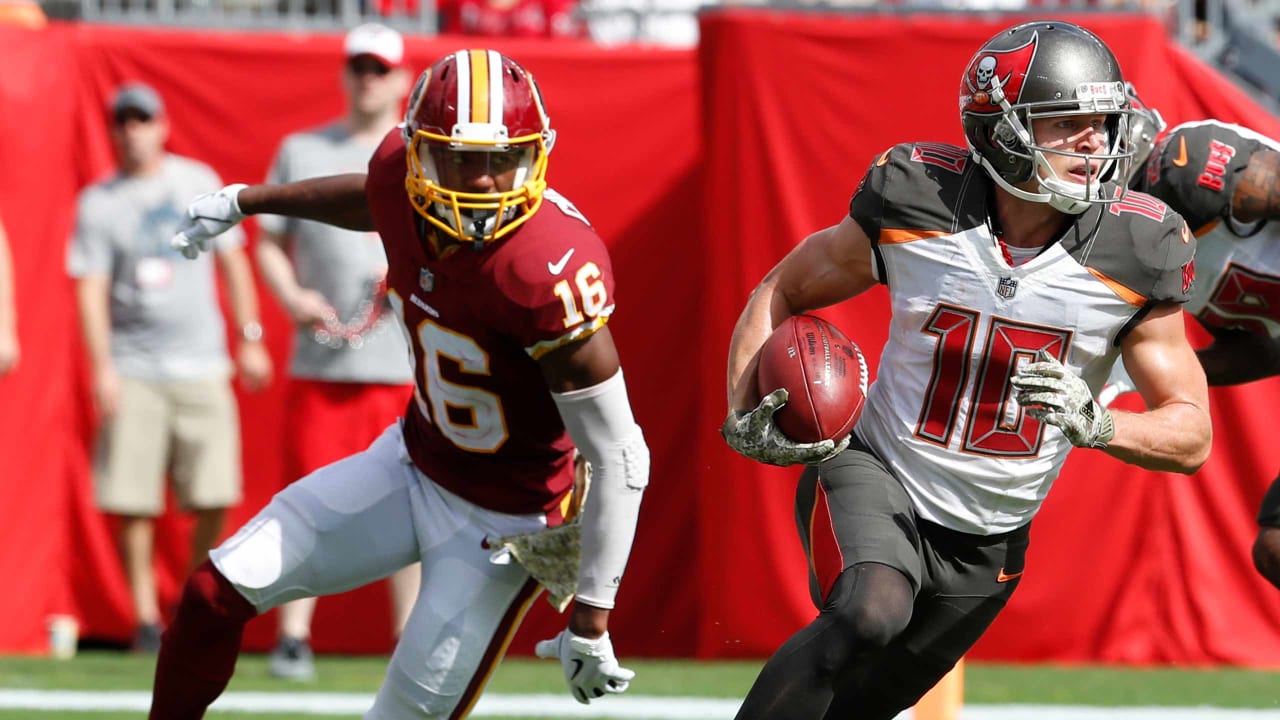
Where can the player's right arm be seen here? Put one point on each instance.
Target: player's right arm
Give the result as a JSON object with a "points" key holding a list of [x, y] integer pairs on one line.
{"points": [[1222, 359], [829, 266], [1257, 195], [335, 199], [338, 200]]}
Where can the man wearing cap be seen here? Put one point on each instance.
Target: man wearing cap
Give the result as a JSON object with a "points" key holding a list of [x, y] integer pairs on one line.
{"points": [[157, 346], [349, 376]]}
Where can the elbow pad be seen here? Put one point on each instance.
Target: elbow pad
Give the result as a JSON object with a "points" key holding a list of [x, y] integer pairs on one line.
{"points": [[599, 421]]}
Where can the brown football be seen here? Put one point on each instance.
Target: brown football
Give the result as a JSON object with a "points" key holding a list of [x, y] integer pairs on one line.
{"points": [[824, 373]]}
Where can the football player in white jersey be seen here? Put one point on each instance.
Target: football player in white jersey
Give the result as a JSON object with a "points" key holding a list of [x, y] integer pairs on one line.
{"points": [[1018, 273], [1224, 179]]}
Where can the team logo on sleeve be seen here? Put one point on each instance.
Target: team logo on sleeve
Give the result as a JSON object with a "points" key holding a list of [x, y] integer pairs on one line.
{"points": [[1188, 276], [1007, 68]]}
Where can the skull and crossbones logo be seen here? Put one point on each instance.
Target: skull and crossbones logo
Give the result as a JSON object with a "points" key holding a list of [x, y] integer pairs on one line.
{"points": [[985, 71]]}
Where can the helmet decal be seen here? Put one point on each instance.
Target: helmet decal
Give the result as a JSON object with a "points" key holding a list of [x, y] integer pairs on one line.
{"points": [[1008, 68]]}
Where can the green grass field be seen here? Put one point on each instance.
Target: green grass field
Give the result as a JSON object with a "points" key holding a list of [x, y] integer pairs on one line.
{"points": [[985, 684]]}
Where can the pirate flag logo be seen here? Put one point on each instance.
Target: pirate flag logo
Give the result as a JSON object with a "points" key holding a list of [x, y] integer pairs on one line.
{"points": [[989, 68]]}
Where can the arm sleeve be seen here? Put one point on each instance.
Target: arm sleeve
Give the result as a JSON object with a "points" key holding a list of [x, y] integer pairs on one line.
{"points": [[600, 423], [1196, 169]]}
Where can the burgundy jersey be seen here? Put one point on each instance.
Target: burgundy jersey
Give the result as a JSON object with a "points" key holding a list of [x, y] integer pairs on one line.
{"points": [[481, 422]]}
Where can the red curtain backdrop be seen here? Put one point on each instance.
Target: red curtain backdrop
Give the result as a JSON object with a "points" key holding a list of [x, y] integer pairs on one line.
{"points": [[700, 169]]}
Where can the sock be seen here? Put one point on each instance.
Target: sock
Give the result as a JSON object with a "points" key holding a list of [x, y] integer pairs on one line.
{"points": [[199, 649]]}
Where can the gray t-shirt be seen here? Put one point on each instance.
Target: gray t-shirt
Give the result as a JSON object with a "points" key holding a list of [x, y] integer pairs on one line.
{"points": [[165, 319], [346, 267]]}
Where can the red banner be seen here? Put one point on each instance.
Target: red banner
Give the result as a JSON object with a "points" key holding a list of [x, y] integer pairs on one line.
{"points": [[700, 169]]}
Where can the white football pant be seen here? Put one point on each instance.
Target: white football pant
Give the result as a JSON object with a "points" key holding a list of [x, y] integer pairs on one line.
{"points": [[361, 519]]}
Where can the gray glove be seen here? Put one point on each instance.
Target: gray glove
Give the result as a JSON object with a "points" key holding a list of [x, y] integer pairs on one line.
{"points": [[753, 433], [208, 216], [590, 667], [1053, 394]]}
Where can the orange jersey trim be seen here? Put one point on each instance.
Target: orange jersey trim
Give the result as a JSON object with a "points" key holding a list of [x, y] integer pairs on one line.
{"points": [[896, 237], [1123, 292]]}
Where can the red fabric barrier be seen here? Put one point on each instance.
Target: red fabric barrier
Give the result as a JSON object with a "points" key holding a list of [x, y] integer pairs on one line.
{"points": [[1126, 566]]}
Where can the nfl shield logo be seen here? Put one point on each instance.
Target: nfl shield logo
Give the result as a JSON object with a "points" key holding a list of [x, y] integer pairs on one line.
{"points": [[426, 280], [1008, 286]]}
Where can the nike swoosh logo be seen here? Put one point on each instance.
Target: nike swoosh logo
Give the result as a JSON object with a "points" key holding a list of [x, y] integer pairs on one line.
{"points": [[1003, 578], [577, 664], [1181, 160], [556, 267]]}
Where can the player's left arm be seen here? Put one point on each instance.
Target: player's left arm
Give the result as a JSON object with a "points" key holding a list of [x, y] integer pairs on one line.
{"points": [[1175, 433], [585, 379], [1257, 194], [1238, 356]]}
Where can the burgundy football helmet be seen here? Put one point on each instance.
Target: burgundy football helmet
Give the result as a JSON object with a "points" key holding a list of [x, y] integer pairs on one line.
{"points": [[476, 106]]}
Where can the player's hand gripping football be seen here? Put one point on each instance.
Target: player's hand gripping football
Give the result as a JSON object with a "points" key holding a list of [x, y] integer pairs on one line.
{"points": [[754, 434], [590, 668], [208, 216], [1053, 394]]}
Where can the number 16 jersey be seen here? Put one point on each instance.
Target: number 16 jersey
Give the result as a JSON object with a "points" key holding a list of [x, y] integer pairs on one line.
{"points": [[481, 422]]}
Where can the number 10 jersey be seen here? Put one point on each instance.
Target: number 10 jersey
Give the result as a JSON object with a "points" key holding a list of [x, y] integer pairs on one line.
{"points": [[941, 413]]}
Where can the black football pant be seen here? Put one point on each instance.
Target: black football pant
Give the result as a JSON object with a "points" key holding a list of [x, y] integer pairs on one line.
{"points": [[900, 599]]}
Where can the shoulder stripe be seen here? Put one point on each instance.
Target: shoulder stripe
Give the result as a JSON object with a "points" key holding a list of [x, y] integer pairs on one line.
{"points": [[895, 237], [579, 332], [1124, 293]]}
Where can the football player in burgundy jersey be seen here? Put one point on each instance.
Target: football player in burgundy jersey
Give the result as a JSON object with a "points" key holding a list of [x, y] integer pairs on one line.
{"points": [[504, 291], [1224, 180], [1018, 272]]}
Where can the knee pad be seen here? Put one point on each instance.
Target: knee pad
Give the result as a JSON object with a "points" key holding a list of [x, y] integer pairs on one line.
{"points": [[870, 604]]}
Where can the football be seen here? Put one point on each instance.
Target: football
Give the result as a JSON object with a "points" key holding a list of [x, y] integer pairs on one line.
{"points": [[824, 373]]}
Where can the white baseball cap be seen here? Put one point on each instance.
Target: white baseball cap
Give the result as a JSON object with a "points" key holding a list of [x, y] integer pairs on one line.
{"points": [[377, 40]]}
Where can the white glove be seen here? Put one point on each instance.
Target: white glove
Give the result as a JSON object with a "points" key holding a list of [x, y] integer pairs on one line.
{"points": [[754, 434], [589, 666], [208, 216], [1053, 394]]}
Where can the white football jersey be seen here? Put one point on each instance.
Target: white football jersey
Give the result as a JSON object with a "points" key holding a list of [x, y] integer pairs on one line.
{"points": [[941, 413]]}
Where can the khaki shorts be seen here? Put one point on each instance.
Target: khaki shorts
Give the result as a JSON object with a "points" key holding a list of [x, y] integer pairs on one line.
{"points": [[189, 429]]}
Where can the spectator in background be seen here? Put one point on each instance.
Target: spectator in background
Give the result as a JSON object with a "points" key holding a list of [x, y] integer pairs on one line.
{"points": [[349, 377], [8, 308], [157, 346], [672, 23], [510, 18]]}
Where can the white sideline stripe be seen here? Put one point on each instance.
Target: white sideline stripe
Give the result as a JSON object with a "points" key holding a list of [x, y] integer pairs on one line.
{"points": [[638, 707]]}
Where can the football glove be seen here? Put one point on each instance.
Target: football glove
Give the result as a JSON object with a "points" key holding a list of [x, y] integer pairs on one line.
{"points": [[208, 216], [589, 666], [753, 433], [1053, 394]]}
